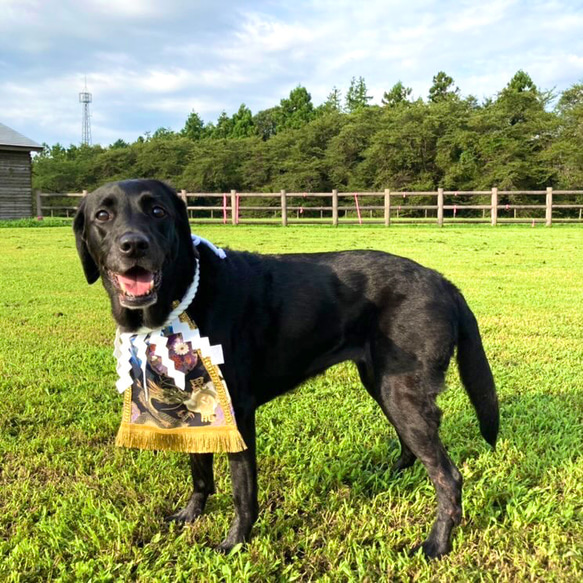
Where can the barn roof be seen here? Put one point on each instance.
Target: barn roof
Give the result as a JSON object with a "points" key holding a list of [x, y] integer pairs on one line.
{"points": [[10, 139]]}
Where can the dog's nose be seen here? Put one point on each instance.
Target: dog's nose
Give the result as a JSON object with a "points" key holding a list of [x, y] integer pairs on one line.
{"points": [[134, 244]]}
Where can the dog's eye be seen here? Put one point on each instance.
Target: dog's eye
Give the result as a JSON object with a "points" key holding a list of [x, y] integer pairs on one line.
{"points": [[102, 216], [158, 212]]}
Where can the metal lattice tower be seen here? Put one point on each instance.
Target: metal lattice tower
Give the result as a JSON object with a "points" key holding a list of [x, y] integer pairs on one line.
{"points": [[85, 99]]}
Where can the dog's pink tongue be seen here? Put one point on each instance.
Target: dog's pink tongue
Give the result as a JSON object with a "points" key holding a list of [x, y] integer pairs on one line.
{"points": [[137, 284]]}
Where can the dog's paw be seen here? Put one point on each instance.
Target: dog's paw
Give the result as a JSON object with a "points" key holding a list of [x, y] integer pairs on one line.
{"points": [[184, 516], [431, 549], [405, 461], [227, 547]]}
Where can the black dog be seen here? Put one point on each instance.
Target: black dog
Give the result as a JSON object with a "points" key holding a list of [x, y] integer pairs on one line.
{"points": [[284, 318]]}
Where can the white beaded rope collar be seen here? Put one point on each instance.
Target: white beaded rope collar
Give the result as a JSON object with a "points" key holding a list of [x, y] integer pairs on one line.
{"points": [[126, 343]]}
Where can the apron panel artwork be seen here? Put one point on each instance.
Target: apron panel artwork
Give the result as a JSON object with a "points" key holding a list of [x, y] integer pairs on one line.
{"points": [[175, 395]]}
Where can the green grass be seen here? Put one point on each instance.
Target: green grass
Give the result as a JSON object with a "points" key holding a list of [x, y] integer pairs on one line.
{"points": [[34, 222], [75, 508]]}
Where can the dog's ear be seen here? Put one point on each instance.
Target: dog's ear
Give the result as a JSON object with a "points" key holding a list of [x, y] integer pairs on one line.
{"points": [[89, 266]]}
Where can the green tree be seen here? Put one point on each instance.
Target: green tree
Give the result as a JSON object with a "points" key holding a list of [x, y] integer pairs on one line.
{"points": [[163, 133], [163, 158], [513, 140], [242, 123], [566, 153], [357, 96], [223, 127], [346, 150], [457, 157], [396, 95], [194, 127], [296, 110], [297, 158], [401, 153], [443, 88], [333, 102], [265, 122], [515, 132], [214, 165]]}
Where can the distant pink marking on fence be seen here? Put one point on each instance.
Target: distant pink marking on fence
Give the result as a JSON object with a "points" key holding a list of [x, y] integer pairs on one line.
{"points": [[454, 210], [224, 209], [357, 208]]}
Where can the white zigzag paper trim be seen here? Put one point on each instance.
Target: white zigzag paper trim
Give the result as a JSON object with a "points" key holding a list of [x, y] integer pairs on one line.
{"points": [[123, 347], [140, 342], [161, 350]]}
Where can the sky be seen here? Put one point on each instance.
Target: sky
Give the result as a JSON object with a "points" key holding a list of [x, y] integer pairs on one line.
{"points": [[149, 63]]}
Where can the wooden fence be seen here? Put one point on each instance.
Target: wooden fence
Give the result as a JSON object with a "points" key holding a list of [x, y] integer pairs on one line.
{"points": [[486, 206]]}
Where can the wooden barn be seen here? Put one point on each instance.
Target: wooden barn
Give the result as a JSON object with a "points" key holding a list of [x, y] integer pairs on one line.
{"points": [[16, 200]]}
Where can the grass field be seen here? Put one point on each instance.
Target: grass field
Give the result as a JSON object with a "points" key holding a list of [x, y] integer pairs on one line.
{"points": [[75, 508]]}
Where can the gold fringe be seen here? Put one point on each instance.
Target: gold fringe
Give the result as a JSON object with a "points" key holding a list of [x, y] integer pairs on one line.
{"points": [[213, 372], [185, 440], [127, 405]]}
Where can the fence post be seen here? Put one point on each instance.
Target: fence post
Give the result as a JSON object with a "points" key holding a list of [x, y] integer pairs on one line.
{"points": [[440, 207], [84, 194], [39, 207], [387, 207], [283, 208], [549, 209], [234, 207], [494, 208], [335, 208], [182, 195]]}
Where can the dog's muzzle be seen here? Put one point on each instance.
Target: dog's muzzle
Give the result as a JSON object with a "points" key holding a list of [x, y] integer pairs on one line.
{"points": [[137, 287]]}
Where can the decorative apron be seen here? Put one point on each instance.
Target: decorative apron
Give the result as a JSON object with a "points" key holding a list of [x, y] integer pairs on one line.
{"points": [[175, 395]]}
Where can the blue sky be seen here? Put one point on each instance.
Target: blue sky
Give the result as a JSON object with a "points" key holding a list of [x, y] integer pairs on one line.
{"points": [[150, 62]]}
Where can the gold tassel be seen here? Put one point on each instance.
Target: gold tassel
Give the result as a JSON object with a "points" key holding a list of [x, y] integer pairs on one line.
{"points": [[185, 440]]}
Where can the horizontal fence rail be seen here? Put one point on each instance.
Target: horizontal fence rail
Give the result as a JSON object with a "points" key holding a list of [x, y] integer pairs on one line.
{"points": [[452, 206]]}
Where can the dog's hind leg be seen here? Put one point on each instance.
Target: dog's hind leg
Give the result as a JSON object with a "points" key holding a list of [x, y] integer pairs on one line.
{"points": [[201, 468], [243, 467], [409, 399], [407, 457]]}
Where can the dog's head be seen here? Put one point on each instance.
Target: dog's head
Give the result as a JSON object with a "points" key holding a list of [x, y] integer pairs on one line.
{"points": [[135, 235]]}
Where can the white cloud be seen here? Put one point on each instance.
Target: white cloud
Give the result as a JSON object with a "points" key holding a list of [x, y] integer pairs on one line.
{"points": [[126, 8], [185, 104], [149, 62], [479, 16], [263, 34]]}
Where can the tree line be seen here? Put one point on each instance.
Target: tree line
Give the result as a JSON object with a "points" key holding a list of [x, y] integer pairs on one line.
{"points": [[521, 138]]}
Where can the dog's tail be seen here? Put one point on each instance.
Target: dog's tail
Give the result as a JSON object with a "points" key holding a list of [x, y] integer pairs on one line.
{"points": [[476, 374]]}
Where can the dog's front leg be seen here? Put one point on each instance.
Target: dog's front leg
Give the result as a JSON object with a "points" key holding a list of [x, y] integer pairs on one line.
{"points": [[244, 478], [201, 467]]}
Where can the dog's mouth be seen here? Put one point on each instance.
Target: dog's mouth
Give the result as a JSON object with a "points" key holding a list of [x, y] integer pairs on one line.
{"points": [[137, 287]]}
